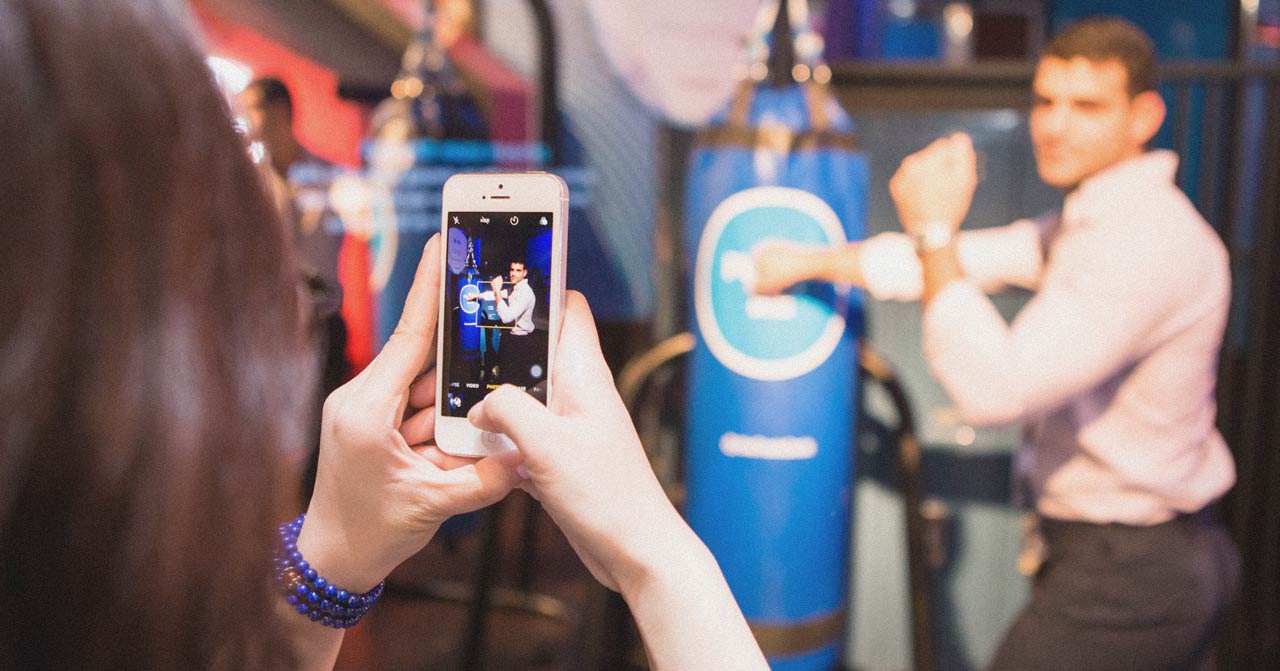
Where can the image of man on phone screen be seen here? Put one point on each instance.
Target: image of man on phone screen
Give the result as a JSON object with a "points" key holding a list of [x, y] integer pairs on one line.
{"points": [[516, 352]]}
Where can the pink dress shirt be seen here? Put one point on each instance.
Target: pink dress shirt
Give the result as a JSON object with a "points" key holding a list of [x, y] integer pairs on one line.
{"points": [[1111, 366]]}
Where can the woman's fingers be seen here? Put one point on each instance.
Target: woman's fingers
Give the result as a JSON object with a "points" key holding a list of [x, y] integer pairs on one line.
{"points": [[581, 377], [445, 462], [410, 350], [473, 485], [419, 427], [511, 411], [422, 393]]}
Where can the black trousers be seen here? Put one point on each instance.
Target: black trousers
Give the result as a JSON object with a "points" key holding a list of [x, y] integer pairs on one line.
{"points": [[517, 357], [1112, 596]]}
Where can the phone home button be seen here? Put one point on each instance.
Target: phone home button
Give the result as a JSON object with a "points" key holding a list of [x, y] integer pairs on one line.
{"points": [[495, 442]]}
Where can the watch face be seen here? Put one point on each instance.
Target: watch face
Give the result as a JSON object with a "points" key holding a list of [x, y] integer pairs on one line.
{"points": [[934, 235], [457, 256]]}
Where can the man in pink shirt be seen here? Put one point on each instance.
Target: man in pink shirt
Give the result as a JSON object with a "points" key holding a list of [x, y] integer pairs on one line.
{"points": [[1110, 367]]}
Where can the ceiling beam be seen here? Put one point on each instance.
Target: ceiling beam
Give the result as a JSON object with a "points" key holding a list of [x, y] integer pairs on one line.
{"points": [[351, 37], [378, 20]]}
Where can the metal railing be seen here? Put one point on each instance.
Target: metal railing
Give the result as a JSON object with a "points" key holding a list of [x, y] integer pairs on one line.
{"points": [[638, 377]]}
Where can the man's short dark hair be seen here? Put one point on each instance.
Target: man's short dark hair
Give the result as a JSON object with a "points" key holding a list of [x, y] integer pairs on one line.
{"points": [[521, 262], [273, 91], [1101, 39]]}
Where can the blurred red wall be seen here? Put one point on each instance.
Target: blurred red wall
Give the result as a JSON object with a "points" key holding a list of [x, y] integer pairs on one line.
{"points": [[328, 126]]}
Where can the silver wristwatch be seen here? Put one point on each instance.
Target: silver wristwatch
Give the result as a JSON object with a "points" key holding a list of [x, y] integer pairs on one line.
{"points": [[932, 236]]}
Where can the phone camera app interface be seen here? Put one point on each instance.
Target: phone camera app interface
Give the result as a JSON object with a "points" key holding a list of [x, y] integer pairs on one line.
{"points": [[498, 305]]}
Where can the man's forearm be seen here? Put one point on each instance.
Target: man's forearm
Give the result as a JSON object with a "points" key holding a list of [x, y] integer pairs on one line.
{"points": [[941, 267], [840, 265], [505, 312]]}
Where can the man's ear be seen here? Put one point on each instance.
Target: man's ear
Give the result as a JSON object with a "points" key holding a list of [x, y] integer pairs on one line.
{"points": [[1148, 112]]}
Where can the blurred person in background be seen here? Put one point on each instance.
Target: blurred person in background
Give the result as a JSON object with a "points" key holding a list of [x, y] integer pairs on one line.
{"points": [[1110, 367], [267, 106], [155, 377], [300, 182]]}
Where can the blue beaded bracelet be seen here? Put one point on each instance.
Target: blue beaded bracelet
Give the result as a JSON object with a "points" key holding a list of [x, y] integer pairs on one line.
{"points": [[309, 592]]}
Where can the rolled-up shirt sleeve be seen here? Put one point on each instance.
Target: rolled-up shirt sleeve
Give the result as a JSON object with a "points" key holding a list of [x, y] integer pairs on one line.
{"points": [[1096, 311], [1002, 257], [993, 258], [512, 307]]}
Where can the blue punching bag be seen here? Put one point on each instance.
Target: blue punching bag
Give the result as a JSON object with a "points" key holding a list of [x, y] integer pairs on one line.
{"points": [[769, 439], [461, 256]]}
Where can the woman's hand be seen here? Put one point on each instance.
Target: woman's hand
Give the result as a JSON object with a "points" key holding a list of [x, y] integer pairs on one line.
{"points": [[382, 488], [583, 458], [587, 467]]}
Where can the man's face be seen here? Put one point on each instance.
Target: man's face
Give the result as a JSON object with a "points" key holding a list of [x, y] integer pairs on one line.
{"points": [[249, 106], [1083, 119], [267, 121], [518, 272]]}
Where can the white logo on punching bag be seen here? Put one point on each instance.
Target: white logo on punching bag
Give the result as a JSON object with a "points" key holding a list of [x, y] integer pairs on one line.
{"points": [[766, 337]]}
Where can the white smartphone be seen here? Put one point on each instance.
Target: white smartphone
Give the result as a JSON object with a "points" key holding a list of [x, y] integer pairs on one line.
{"points": [[501, 296]]}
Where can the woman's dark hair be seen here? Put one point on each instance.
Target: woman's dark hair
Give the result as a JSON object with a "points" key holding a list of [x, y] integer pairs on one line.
{"points": [[153, 376]]}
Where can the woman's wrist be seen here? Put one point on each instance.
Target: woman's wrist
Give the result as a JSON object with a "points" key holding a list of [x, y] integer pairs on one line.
{"points": [[668, 549], [328, 558], [312, 594], [344, 560]]}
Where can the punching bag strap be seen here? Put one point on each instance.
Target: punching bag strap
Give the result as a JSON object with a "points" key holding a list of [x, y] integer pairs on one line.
{"points": [[782, 39], [739, 115], [801, 636], [817, 97], [782, 59]]}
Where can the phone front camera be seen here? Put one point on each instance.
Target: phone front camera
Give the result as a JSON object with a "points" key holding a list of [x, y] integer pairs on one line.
{"points": [[499, 186]]}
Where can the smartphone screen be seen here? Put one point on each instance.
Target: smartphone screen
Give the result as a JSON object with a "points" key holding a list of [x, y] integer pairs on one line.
{"points": [[498, 298]]}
